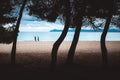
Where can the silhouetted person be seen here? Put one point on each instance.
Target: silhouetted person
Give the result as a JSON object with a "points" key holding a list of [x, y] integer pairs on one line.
{"points": [[38, 38], [35, 38]]}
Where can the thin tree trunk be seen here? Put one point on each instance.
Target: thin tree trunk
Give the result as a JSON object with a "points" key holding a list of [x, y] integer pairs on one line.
{"points": [[13, 52], [74, 42], [57, 44], [103, 44]]}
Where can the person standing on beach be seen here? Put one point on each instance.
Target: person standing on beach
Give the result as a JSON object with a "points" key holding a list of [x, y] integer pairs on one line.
{"points": [[35, 38], [38, 38]]}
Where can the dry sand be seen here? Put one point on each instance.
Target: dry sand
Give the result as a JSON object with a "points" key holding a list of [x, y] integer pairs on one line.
{"points": [[36, 56], [86, 52]]}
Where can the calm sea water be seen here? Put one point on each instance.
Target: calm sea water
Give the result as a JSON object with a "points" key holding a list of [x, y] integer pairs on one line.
{"points": [[53, 36]]}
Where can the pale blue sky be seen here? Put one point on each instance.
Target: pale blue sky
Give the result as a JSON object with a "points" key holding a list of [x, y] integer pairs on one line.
{"points": [[30, 23], [33, 24]]}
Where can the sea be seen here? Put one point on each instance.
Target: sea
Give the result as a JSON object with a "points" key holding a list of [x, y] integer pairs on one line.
{"points": [[53, 36]]}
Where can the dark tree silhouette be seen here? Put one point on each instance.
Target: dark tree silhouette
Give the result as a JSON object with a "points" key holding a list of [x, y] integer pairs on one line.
{"points": [[6, 16], [94, 8], [57, 44], [116, 19], [106, 10], [103, 11], [50, 12], [74, 42], [63, 34], [103, 36], [90, 9], [6, 34], [5, 12], [13, 52], [71, 13], [72, 19], [102, 41], [45, 9], [112, 11], [79, 8]]}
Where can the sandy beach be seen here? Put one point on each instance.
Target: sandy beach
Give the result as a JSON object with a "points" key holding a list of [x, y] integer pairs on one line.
{"points": [[35, 57]]}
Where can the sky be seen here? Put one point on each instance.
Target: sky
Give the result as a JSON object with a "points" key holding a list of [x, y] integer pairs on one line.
{"points": [[33, 24]]}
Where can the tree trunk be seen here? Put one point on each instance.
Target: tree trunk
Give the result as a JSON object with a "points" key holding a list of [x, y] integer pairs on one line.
{"points": [[102, 42], [74, 42], [57, 44], [13, 52]]}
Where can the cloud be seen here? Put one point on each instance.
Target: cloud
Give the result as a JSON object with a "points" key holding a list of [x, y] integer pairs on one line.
{"points": [[30, 23], [33, 24], [38, 26]]}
